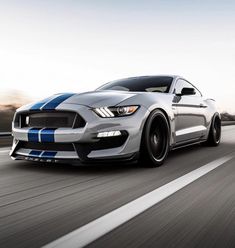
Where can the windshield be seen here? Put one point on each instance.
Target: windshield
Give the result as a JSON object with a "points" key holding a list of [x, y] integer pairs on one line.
{"points": [[148, 84]]}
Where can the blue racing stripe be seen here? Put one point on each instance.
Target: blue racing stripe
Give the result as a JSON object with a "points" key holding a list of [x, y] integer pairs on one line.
{"points": [[47, 135], [48, 154], [56, 101], [35, 153], [39, 104], [33, 134]]}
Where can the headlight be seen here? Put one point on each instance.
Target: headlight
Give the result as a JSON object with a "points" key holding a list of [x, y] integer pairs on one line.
{"points": [[110, 112]]}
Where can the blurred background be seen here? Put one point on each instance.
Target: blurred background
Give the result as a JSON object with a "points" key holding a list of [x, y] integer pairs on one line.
{"points": [[47, 47]]}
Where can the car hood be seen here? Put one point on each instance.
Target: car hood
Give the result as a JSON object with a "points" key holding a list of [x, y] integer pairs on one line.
{"points": [[91, 99], [100, 98]]}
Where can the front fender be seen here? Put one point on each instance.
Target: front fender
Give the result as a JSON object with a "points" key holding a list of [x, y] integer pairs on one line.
{"points": [[152, 101]]}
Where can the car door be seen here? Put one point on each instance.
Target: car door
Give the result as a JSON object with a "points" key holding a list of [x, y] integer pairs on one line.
{"points": [[190, 122]]}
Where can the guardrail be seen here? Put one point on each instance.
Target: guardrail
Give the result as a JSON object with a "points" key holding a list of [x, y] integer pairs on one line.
{"points": [[5, 134], [228, 123]]}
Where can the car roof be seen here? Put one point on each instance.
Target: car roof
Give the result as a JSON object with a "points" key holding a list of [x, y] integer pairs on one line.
{"points": [[150, 76]]}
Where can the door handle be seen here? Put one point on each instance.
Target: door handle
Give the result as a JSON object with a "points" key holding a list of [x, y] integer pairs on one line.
{"points": [[202, 105]]}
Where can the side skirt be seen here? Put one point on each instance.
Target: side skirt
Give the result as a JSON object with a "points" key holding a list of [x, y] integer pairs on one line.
{"points": [[187, 143]]}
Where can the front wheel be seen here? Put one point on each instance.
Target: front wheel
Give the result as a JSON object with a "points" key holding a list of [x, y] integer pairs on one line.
{"points": [[215, 132], [155, 140]]}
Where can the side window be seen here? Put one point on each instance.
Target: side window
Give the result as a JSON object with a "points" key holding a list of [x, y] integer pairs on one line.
{"points": [[180, 84], [198, 93]]}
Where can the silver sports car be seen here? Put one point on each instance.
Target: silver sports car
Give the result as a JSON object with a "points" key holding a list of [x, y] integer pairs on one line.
{"points": [[138, 118]]}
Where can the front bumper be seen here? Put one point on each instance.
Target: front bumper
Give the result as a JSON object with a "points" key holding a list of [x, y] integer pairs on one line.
{"points": [[82, 144]]}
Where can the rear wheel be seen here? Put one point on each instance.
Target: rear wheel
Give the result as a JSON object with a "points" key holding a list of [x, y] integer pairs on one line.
{"points": [[215, 132], [155, 140]]}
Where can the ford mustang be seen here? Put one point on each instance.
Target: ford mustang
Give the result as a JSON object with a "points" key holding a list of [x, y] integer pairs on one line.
{"points": [[138, 118]]}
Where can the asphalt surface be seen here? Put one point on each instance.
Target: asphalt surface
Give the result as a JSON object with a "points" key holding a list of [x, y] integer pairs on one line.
{"points": [[39, 203]]}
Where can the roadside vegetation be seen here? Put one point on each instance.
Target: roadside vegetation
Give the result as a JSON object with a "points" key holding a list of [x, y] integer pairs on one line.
{"points": [[6, 116], [227, 117]]}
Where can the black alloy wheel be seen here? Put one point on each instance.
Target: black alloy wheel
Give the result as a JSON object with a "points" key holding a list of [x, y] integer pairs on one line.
{"points": [[214, 136], [155, 140]]}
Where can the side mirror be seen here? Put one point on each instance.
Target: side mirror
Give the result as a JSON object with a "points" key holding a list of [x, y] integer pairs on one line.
{"points": [[188, 91]]}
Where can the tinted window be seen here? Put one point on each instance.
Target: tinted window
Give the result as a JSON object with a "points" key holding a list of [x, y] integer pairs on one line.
{"points": [[148, 84], [198, 93], [180, 84]]}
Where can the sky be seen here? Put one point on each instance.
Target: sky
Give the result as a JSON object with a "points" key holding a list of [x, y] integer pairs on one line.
{"points": [[53, 46]]}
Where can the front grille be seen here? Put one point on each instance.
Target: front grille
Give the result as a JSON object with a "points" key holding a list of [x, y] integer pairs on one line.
{"points": [[51, 119], [46, 146]]}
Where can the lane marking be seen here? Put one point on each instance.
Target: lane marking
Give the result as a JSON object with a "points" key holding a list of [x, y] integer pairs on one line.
{"points": [[103, 225]]}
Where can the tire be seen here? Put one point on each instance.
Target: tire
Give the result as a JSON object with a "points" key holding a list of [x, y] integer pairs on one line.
{"points": [[215, 132], [155, 140]]}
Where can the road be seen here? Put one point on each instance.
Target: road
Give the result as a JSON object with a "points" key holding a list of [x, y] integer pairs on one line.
{"points": [[41, 203]]}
